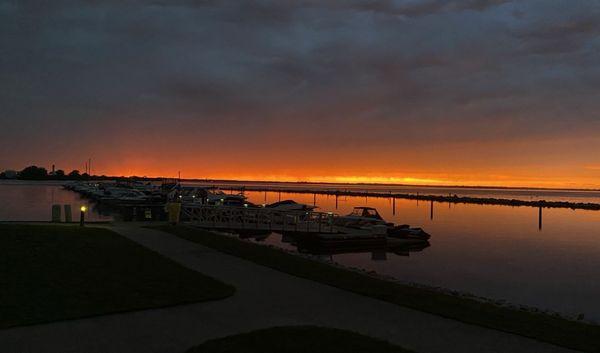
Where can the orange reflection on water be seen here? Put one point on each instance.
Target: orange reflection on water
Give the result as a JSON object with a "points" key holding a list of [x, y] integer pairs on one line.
{"points": [[493, 251]]}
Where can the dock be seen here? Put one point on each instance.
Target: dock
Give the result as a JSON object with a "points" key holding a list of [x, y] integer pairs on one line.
{"points": [[259, 219]]}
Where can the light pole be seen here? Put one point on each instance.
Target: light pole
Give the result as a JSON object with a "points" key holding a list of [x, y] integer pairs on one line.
{"points": [[82, 217]]}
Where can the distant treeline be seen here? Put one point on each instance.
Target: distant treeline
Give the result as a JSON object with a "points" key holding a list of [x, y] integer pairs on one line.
{"points": [[39, 173]]}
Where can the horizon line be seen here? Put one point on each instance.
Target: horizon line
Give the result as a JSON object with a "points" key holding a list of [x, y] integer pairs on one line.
{"points": [[366, 183]]}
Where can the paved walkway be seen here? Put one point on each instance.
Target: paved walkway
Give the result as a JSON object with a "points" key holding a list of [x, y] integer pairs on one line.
{"points": [[264, 298]]}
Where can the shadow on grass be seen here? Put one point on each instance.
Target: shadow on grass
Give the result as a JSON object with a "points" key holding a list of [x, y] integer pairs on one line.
{"points": [[297, 339], [551, 329], [51, 273]]}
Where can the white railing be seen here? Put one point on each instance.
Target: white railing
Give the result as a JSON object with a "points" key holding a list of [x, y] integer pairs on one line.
{"points": [[247, 218]]}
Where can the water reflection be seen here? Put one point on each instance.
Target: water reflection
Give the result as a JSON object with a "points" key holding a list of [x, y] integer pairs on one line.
{"points": [[32, 201], [431, 212], [500, 252], [310, 244]]}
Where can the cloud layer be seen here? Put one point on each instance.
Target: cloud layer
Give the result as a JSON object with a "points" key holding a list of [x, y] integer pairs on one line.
{"points": [[352, 79]]}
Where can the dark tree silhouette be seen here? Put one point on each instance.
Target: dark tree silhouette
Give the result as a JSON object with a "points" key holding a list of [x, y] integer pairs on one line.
{"points": [[33, 173], [74, 174]]}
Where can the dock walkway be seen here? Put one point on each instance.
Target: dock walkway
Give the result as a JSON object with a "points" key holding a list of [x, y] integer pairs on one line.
{"points": [[264, 298]]}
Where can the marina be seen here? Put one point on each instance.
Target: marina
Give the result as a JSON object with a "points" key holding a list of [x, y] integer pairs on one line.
{"points": [[212, 209], [502, 249]]}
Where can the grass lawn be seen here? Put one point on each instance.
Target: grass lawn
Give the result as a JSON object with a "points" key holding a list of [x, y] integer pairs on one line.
{"points": [[542, 327], [299, 339], [50, 273]]}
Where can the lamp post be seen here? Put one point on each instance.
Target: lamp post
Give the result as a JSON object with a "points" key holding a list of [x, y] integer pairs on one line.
{"points": [[82, 217]]}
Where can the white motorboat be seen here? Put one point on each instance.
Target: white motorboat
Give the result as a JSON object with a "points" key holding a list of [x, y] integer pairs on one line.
{"points": [[289, 205], [113, 194], [404, 231], [368, 217], [219, 198], [361, 217]]}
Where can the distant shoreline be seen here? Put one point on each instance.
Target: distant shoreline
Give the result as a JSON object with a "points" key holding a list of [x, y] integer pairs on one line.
{"points": [[444, 186], [391, 185]]}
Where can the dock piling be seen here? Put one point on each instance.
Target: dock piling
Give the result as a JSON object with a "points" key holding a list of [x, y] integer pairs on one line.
{"points": [[431, 213], [68, 214], [56, 214], [320, 221]]}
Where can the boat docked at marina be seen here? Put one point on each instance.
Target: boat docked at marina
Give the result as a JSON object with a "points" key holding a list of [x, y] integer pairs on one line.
{"points": [[118, 192], [290, 205], [219, 198], [361, 217], [406, 231], [368, 217], [115, 194]]}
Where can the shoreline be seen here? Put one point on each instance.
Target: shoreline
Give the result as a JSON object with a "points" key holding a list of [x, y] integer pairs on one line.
{"points": [[328, 183], [426, 186], [542, 325]]}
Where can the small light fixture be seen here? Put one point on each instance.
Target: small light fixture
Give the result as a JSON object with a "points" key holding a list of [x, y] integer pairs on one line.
{"points": [[82, 216]]}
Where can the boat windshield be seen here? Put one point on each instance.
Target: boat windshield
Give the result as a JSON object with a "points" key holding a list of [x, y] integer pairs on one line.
{"points": [[365, 212]]}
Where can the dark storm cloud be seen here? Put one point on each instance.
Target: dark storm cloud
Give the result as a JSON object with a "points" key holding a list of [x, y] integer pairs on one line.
{"points": [[585, 26], [570, 35], [426, 7], [322, 70]]}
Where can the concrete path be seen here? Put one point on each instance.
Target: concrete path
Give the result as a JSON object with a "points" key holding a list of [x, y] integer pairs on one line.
{"points": [[264, 298]]}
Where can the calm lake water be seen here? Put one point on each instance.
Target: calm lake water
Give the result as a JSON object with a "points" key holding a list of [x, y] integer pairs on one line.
{"points": [[492, 251], [32, 201], [497, 252]]}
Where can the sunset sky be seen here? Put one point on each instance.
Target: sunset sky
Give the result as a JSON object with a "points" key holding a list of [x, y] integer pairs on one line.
{"points": [[471, 92]]}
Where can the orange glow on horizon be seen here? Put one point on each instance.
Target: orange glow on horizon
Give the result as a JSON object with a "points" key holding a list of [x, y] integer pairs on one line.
{"points": [[518, 164], [512, 181]]}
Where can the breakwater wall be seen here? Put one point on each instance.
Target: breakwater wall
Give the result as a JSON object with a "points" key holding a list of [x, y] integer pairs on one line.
{"points": [[434, 198]]}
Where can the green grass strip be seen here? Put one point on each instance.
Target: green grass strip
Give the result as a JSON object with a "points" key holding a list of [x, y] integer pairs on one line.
{"points": [[51, 273]]}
